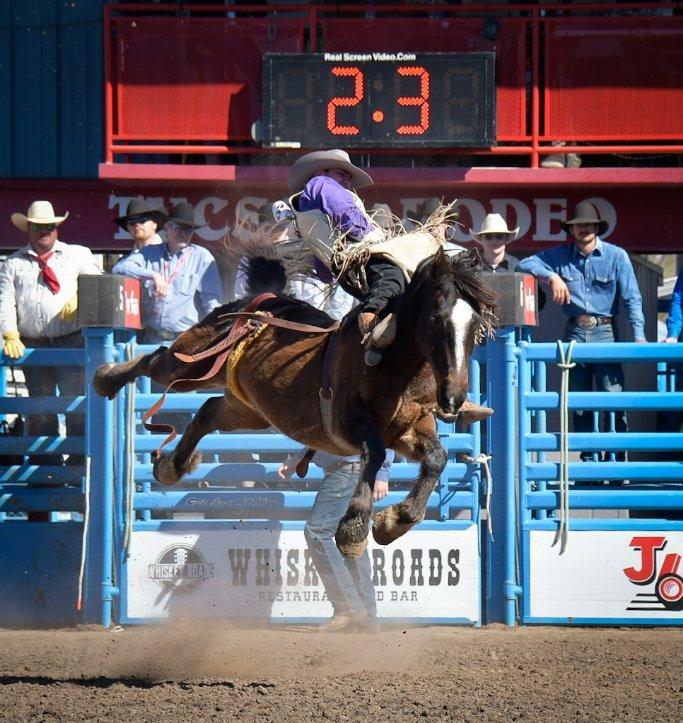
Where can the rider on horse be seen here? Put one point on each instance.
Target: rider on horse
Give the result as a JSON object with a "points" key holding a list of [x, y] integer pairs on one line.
{"points": [[348, 243]]}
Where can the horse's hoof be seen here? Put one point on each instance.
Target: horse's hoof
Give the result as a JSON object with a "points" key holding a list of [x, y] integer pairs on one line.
{"points": [[352, 536], [387, 528], [164, 470], [102, 382], [352, 550]]}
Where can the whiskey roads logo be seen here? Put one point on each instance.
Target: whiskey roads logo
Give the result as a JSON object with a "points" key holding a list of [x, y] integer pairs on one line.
{"points": [[180, 569]]}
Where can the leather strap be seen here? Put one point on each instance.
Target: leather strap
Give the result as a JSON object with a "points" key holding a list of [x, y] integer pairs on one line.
{"points": [[261, 319]]}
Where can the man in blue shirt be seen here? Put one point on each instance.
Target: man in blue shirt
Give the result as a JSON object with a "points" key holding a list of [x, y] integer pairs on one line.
{"points": [[674, 321], [180, 280], [587, 277]]}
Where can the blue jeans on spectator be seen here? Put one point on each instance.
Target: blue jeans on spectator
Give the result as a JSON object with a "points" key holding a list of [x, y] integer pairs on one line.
{"points": [[609, 377], [348, 583]]}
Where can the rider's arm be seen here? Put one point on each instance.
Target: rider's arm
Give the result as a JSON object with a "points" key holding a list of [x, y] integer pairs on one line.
{"points": [[330, 197]]}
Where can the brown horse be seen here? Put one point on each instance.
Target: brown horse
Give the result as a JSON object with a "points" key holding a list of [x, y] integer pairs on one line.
{"points": [[422, 373]]}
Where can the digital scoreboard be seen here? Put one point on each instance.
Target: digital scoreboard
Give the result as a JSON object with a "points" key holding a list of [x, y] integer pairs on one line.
{"points": [[415, 100]]}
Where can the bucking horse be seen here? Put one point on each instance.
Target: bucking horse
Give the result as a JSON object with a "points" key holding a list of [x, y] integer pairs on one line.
{"points": [[292, 368]]}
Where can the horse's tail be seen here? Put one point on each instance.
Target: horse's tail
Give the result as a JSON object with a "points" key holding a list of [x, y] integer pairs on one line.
{"points": [[265, 274]]}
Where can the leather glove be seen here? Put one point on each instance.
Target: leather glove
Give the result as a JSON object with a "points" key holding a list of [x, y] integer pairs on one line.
{"points": [[13, 347], [68, 312]]}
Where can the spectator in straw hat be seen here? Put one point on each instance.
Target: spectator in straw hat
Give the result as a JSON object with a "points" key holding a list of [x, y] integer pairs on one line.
{"points": [[181, 284], [38, 304], [142, 221], [587, 277], [493, 236]]}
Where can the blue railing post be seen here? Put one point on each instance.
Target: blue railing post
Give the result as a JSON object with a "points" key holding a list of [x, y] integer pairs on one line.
{"points": [[501, 382], [98, 583]]}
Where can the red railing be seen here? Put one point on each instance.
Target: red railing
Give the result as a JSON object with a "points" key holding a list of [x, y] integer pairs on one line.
{"points": [[598, 79]]}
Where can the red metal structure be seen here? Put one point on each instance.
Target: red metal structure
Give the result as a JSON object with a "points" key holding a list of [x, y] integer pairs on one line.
{"points": [[578, 73]]}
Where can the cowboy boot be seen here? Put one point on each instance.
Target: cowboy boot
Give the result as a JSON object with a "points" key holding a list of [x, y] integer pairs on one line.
{"points": [[377, 335], [470, 413]]}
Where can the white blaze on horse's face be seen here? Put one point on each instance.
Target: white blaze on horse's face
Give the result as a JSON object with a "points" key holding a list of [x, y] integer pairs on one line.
{"points": [[461, 317]]}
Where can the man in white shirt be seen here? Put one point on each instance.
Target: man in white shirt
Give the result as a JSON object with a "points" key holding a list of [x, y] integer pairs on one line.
{"points": [[38, 303]]}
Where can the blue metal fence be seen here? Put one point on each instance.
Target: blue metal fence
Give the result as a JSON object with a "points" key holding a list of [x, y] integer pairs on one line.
{"points": [[648, 488], [524, 577]]}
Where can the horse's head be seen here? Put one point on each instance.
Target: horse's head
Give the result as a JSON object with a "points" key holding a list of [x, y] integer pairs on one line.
{"points": [[456, 305]]}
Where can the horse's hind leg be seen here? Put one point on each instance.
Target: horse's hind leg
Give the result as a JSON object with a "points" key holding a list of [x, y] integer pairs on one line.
{"points": [[352, 530], [217, 413], [109, 379], [421, 443]]}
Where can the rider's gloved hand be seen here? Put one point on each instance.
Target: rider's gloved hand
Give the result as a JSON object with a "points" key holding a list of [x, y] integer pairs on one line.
{"points": [[13, 347]]}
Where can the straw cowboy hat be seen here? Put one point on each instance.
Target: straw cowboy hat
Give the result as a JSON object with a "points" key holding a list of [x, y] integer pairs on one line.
{"points": [[585, 213], [38, 212], [427, 208], [140, 207], [307, 166], [494, 223]]}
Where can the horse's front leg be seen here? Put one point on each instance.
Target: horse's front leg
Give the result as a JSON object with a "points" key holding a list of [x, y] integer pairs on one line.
{"points": [[352, 530], [171, 467], [421, 443], [109, 379]]}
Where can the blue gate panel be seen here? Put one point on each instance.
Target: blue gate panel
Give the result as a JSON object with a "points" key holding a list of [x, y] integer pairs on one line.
{"points": [[39, 564]]}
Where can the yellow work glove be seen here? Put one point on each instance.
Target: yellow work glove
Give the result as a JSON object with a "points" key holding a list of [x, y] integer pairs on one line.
{"points": [[68, 311], [13, 347]]}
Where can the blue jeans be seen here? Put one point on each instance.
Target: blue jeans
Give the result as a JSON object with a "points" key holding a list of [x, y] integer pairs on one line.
{"points": [[608, 377], [348, 583]]}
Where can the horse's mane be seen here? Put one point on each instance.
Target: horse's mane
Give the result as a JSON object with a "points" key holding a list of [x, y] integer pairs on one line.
{"points": [[465, 270]]}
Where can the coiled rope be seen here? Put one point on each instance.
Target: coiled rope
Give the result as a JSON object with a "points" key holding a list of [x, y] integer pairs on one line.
{"points": [[565, 365], [130, 455]]}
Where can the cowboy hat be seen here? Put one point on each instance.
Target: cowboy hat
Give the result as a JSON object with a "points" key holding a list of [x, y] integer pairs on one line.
{"points": [[183, 213], [494, 223], [585, 212], [139, 207], [429, 206], [307, 166], [38, 212]]}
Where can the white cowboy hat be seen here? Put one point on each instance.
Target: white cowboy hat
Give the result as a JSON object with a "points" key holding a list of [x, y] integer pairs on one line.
{"points": [[494, 223], [38, 212], [307, 166]]}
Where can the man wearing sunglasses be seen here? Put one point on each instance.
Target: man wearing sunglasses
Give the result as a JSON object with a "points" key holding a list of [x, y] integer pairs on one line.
{"points": [[38, 303], [180, 280], [142, 220]]}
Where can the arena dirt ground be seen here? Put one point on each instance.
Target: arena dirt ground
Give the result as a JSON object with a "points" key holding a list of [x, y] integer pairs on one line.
{"points": [[204, 671]]}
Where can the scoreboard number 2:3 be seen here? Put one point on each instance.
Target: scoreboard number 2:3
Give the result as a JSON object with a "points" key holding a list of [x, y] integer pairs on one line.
{"points": [[419, 102]]}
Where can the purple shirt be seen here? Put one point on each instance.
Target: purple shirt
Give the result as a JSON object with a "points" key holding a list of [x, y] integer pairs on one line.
{"points": [[330, 197]]}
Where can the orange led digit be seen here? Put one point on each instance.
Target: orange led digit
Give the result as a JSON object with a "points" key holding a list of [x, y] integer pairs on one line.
{"points": [[345, 101], [421, 100]]}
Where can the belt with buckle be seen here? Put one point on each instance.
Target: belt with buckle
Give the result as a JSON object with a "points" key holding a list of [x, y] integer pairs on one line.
{"points": [[589, 321]]}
